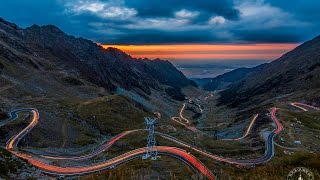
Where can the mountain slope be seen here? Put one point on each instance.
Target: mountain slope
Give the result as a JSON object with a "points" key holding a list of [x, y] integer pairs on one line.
{"points": [[47, 47], [296, 72], [78, 87], [225, 80]]}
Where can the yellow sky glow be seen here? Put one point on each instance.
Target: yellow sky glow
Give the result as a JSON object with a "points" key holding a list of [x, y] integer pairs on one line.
{"points": [[207, 51]]}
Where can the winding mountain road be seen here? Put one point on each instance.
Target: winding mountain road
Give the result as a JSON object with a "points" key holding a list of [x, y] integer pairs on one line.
{"points": [[184, 121], [187, 125], [303, 106], [163, 150], [247, 131], [175, 152]]}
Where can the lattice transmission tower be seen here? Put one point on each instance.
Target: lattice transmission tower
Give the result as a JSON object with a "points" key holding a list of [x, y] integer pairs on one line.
{"points": [[151, 146]]}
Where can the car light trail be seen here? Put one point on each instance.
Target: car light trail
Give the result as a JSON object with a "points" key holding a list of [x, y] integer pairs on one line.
{"points": [[181, 112], [206, 98], [12, 143], [58, 170], [248, 129], [172, 151], [298, 105]]}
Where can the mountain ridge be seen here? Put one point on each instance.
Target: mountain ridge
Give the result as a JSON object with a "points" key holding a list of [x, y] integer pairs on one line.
{"points": [[110, 68], [295, 71], [223, 81]]}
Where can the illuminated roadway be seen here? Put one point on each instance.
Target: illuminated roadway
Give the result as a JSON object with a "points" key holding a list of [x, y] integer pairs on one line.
{"points": [[302, 105], [210, 95], [269, 151], [175, 152], [12, 143], [186, 122], [248, 129], [99, 150], [164, 150], [181, 116]]}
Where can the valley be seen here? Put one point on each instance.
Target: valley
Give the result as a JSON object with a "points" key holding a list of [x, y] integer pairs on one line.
{"points": [[162, 150], [72, 109]]}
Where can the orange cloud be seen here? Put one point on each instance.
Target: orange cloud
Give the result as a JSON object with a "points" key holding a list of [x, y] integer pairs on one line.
{"points": [[207, 51]]}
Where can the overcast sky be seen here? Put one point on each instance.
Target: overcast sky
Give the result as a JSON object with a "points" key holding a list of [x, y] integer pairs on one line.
{"points": [[215, 29], [172, 21]]}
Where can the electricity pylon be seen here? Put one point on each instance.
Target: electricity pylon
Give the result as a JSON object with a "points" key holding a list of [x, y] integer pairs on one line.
{"points": [[151, 146]]}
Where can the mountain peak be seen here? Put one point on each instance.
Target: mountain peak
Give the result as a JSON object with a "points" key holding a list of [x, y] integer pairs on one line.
{"points": [[113, 49], [110, 68], [8, 24], [52, 28], [117, 52], [47, 28]]}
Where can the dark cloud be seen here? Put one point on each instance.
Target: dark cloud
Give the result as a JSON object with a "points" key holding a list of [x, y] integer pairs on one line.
{"points": [[301, 9], [172, 21], [165, 8], [160, 37], [277, 35]]}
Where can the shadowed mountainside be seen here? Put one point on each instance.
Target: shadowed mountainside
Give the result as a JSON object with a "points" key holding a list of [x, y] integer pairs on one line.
{"points": [[225, 80], [44, 68], [47, 48], [295, 73]]}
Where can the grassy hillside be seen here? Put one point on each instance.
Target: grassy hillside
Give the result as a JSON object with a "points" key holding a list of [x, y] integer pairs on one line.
{"points": [[278, 168], [3, 115], [113, 114], [12, 167]]}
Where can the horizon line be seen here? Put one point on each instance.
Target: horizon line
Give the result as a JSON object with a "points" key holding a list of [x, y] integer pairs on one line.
{"points": [[174, 52]]}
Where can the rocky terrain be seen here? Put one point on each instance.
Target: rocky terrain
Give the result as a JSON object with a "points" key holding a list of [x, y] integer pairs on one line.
{"points": [[48, 49], [17, 168], [86, 94], [296, 75], [81, 90]]}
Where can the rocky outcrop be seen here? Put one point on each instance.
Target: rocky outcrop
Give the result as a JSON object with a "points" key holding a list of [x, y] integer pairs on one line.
{"points": [[109, 68]]}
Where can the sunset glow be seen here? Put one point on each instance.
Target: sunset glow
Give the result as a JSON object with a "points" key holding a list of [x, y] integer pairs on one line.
{"points": [[207, 51]]}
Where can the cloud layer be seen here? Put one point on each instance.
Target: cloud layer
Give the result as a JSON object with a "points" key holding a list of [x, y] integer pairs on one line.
{"points": [[173, 21]]}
